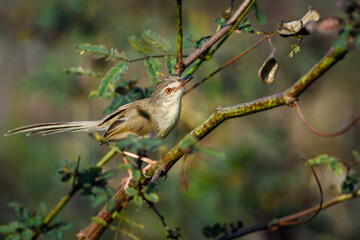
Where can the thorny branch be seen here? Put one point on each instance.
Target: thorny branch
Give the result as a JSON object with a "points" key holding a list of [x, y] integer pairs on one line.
{"points": [[287, 97]]}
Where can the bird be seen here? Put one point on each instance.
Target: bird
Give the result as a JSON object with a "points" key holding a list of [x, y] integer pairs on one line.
{"points": [[155, 116]]}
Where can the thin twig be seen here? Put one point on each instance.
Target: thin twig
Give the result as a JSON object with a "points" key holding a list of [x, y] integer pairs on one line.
{"points": [[288, 222], [337, 133], [179, 64], [229, 62]]}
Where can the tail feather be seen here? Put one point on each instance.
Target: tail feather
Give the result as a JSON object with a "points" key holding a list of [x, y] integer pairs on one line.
{"points": [[57, 127]]}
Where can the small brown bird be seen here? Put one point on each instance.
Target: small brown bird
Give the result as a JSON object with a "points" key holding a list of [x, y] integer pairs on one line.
{"points": [[156, 115]]}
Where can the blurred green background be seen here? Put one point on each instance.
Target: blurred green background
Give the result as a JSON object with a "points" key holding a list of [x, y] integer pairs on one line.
{"points": [[262, 176]]}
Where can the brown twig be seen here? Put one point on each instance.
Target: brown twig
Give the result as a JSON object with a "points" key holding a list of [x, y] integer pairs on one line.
{"points": [[337, 133], [179, 63], [281, 222], [242, 9], [230, 62]]}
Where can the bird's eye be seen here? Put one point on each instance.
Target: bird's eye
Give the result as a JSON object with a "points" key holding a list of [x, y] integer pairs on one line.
{"points": [[169, 90]]}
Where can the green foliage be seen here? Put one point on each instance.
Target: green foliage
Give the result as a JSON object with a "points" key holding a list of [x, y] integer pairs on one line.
{"points": [[81, 71], [349, 184], [135, 144], [100, 51], [295, 49], [140, 45], [191, 145], [91, 180], [258, 15], [245, 26], [156, 40], [153, 67], [332, 163], [30, 222], [221, 230], [170, 64], [112, 76]]}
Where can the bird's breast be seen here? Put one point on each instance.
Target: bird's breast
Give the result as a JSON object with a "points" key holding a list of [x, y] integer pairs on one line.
{"points": [[167, 118]]}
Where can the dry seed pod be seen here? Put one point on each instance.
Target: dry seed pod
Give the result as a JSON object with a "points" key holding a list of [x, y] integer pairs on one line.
{"points": [[268, 71], [291, 28]]}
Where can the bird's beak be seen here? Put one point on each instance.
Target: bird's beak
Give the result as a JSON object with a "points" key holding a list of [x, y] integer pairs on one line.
{"points": [[183, 81]]}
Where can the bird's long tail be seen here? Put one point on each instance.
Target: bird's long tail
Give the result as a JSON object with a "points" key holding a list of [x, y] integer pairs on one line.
{"points": [[57, 127]]}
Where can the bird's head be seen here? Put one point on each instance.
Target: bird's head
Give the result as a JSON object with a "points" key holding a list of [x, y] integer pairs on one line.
{"points": [[170, 90]]}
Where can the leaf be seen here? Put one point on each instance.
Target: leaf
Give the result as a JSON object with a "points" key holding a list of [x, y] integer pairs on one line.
{"points": [[137, 174], [138, 200], [170, 64], [258, 15], [81, 71], [59, 235], [67, 226], [356, 155], [156, 40], [111, 205], [139, 45], [295, 49], [153, 66], [245, 26], [100, 51], [125, 166], [131, 191], [111, 77], [152, 197], [99, 200], [99, 221], [213, 153], [332, 163], [109, 174]]}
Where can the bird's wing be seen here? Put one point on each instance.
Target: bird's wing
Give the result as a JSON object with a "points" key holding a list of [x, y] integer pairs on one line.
{"points": [[132, 121]]}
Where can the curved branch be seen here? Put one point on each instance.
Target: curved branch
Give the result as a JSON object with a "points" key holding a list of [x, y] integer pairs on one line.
{"points": [[229, 27], [292, 217], [337, 133], [334, 54]]}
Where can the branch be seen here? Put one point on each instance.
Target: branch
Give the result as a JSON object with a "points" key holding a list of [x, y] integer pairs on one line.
{"points": [[337, 133], [230, 62], [274, 224], [228, 28], [334, 54], [179, 65]]}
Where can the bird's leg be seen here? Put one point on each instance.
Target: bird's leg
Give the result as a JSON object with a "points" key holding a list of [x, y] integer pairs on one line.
{"points": [[144, 159], [130, 174]]}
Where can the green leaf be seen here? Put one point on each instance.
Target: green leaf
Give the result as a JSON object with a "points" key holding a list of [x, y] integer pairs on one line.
{"points": [[131, 191], [99, 200], [111, 77], [125, 166], [138, 200], [332, 163], [100, 51], [140, 45], [26, 234], [111, 205], [245, 26], [170, 64], [137, 174], [152, 197], [98, 190], [258, 15], [356, 155], [59, 235], [81, 71], [156, 40], [67, 226], [213, 153], [99, 221], [154, 66], [7, 229], [109, 174]]}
